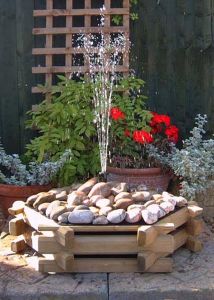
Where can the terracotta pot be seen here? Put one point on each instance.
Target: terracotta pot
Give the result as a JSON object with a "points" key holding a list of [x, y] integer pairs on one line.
{"points": [[12, 193], [148, 178]]}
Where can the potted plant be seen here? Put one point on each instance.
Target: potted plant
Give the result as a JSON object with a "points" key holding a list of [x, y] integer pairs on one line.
{"points": [[132, 129], [18, 181]]}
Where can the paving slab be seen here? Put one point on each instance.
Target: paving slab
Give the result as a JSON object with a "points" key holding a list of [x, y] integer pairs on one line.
{"points": [[192, 278]]}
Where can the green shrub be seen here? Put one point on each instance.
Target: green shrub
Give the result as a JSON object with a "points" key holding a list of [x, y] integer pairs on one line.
{"points": [[66, 122]]}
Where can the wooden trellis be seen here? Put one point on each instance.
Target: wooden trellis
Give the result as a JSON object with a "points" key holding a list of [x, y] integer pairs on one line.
{"points": [[76, 21]]}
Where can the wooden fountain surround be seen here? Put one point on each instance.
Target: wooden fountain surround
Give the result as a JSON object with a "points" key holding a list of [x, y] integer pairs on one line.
{"points": [[106, 248]]}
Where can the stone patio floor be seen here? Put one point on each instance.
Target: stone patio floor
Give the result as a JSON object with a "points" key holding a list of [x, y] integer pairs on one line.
{"points": [[192, 278]]}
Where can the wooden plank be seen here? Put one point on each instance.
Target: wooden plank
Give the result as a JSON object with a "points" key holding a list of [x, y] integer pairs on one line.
{"points": [[194, 227], [15, 211], [64, 260], [38, 221], [18, 244], [147, 259], [65, 69], [17, 226], [64, 236], [193, 244], [100, 265], [64, 30], [180, 238], [195, 211], [78, 12]]}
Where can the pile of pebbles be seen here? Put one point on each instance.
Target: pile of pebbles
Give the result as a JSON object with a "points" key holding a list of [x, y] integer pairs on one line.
{"points": [[102, 203]]}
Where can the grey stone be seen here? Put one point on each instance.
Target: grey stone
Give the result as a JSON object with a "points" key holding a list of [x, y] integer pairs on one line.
{"points": [[116, 216], [103, 203], [81, 217], [63, 218], [101, 220], [57, 211], [81, 207]]}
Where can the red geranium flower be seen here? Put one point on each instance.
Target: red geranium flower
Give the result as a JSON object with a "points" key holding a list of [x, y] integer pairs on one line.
{"points": [[117, 114], [142, 137], [159, 119], [172, 133]]}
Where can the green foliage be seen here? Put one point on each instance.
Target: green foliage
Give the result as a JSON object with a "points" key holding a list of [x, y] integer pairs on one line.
{"points": [[66, 122], [132, 103]]}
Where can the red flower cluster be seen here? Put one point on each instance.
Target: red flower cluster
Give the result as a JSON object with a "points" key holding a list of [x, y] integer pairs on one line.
{"points": [[160, 124], [117, 114], [163, 122], [142, 137], [172, 133]]}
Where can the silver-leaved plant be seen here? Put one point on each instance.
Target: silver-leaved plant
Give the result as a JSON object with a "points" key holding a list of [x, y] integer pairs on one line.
{"points": [[194, 163], [18, 173]]}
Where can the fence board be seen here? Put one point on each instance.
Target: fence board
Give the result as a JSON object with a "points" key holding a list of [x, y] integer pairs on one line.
{"points": [[173, 43]]}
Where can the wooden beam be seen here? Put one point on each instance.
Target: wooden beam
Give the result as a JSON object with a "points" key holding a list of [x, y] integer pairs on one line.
{"points": [[194, 211], [100, 265], [64, 260], [38, 221], [83, 30], [193, 244], [78, 12], [65, 237], [17, 226], [194, 227], [18, 244]]}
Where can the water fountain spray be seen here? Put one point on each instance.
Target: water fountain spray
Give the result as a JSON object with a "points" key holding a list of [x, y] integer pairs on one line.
{"points": [[103, 54]]}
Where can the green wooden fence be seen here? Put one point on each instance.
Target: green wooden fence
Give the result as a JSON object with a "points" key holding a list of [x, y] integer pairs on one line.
{"points": [[173, 52]]}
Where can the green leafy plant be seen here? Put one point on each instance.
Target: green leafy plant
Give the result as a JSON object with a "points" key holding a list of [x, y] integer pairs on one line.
{"points": [[133, 127], [66, 122]]}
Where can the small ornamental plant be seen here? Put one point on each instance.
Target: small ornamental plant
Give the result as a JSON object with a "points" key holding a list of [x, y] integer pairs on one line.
{"points": [[133, 128]]}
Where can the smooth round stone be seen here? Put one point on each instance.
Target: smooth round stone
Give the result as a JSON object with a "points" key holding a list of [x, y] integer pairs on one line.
{"points": [[43, 207], [32, 199], [133, 215], [103, 203], [150, 202], [116, 216], [138, 196], [167, 195], [156, 209], [101, 220], [119, 188], [111, 197], [147, 195], [87, 186], [180, 201], [156, 197], [87, 202], [63, 218], [105, 210], [123, 203], [95, 210], [101, 188], [167, 206], [62, 196], [95, 198], [18, 204], [81, 217], [81, 207], [76, 198], [136, 206], [44, 197], [57, 211], [51, 206], [123, 195], [148, 217]]}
